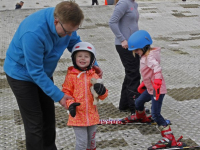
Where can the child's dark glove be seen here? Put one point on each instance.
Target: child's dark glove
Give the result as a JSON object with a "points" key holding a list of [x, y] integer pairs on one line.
{"points": [[99, 88], [72, 109]]}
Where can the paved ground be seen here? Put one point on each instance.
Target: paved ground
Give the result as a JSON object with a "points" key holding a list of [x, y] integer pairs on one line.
{"points": [[174, 26], [10, 4]]}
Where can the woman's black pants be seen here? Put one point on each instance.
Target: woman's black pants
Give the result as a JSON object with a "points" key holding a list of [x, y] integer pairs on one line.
{"points": [[131, 80]]}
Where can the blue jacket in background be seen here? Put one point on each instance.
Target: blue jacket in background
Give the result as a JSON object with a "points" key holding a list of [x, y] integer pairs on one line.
{"points": [[35, 50]]}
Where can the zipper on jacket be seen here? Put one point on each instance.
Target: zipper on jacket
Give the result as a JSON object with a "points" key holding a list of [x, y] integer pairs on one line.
{"points": [[86, 98]]}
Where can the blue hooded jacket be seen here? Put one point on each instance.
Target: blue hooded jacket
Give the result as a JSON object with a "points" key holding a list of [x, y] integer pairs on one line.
{"points": [[35, 50]]}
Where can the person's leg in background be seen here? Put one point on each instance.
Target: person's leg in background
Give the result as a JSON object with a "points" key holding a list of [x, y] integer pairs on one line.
{"points": [[28, 99], [97, 3], [123, 103], [131, 79], [93, 2]]}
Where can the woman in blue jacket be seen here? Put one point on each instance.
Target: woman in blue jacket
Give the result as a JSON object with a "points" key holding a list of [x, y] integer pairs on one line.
{"points": [[30, 61]]}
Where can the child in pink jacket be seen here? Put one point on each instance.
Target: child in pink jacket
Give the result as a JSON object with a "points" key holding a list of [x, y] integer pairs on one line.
{"points": [[152, 88], [84, 115]]}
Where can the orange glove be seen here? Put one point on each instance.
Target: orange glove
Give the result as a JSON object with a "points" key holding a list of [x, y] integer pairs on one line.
{"points": [[157, 84], [141, 88]]}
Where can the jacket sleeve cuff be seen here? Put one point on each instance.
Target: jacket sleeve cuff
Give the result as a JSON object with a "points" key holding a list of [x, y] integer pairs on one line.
{"points": [[58, 95], [102, 97], [158, 75]]}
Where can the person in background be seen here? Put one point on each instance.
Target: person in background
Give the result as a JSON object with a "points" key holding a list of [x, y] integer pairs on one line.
{"points": [[84, 115], [95, 2], [30, 62], [155, 87], [124, 22], [19, 5]]}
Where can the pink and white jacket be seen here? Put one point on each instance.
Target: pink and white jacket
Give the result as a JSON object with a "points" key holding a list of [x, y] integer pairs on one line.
{"points": [[150, 69]]}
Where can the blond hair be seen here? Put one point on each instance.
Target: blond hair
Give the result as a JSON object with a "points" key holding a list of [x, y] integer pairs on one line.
{"points": [[69, 12], [148, 51]]}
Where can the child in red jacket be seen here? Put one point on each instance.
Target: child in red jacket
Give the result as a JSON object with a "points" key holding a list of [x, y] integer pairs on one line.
{"points": [[83, 116]]}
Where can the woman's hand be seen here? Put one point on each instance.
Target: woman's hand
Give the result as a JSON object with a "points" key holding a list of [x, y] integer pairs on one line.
{"points": [[125, 44]]}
